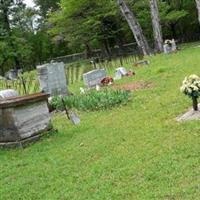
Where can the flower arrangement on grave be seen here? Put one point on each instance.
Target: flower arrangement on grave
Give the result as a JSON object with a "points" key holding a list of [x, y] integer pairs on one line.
{"points": [[191, 88]]}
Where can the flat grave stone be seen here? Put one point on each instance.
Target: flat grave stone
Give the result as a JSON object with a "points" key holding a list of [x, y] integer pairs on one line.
{"points": [[189, 115]]}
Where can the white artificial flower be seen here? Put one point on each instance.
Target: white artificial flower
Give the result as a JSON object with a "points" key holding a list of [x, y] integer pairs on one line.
{"points": [[82, 91], [191, 85]]}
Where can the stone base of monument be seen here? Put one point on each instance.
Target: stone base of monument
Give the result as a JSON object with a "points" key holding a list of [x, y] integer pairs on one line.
{"points": [[25, 142], [23, 120], [189, 115]]}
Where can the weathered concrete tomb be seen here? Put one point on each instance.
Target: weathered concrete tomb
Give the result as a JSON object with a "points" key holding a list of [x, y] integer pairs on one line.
{"points": [[23, 119]]}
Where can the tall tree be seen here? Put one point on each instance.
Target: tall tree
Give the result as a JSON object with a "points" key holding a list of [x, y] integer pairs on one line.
{"points": [[46, 6], [15, 47], [157, 32], [88, 24], [198, 8], [135, 27]]}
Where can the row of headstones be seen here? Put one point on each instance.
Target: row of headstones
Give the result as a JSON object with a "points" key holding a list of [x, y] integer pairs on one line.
{"points": [[53, 81]]}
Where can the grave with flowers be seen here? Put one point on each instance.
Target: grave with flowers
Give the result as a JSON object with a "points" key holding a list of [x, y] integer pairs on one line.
{"points": [[191, 88]]}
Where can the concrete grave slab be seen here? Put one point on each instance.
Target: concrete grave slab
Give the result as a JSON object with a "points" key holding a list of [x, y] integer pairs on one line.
{"points": [[189, 115]]}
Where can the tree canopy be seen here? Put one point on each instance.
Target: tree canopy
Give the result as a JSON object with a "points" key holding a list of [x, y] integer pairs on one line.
{"points": [[30, 36]]}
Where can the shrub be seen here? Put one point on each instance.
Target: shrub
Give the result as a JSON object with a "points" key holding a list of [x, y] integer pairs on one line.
{"points": [[93, 100]]}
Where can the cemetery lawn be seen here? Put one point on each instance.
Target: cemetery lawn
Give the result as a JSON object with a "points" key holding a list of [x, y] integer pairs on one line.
{"points": [[136, 151]]}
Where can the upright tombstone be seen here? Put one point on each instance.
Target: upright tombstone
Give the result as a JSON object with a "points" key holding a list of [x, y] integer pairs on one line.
{"points": [[169, 46], [12, 74], [119, 72], [52, 79], [174, 47], [93, 78]]}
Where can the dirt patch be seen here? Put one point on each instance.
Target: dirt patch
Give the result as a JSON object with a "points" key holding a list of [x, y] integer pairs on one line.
{"points": [[134, 86]]}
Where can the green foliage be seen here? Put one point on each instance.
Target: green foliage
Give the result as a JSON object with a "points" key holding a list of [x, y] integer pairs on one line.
{"points": [[46, 6], [93, 100], [91, 22], [61, 27]]}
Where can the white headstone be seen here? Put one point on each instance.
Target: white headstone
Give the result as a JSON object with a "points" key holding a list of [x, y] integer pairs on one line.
{"points": [[118, 75], [2, 78], [122, 70], [52, 78], [93, 78], [174, 47], [167, 48]]}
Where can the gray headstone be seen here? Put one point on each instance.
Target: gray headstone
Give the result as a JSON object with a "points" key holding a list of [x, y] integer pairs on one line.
{"points": [[93, 78], [52, 79], [12, 74]]}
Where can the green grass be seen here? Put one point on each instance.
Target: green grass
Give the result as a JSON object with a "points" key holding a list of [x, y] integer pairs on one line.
{"points": [[134, 152]]}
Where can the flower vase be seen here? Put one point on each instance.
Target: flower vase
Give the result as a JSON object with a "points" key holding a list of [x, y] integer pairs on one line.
{"points": [[195, 103]]}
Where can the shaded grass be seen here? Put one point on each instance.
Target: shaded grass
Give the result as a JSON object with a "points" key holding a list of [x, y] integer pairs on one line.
{"points": [[134, 152]]}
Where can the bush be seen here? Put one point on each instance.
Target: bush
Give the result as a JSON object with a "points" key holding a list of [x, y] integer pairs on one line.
{"points": [[93, 100]]}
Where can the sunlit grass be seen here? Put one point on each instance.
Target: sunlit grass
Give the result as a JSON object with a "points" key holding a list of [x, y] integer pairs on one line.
{"points": [[134, 152]]}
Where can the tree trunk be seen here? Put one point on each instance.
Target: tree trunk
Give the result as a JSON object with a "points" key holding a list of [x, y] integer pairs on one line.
{"points": [[195, 103], [198, 8], [5, 16], [135, 27], [173, 30], [156, 26], [88, 51], [107, 48]]}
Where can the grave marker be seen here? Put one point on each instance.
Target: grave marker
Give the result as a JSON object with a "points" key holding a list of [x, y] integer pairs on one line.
{"points": [[93, 78], [52, 79], [23, 119]]}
